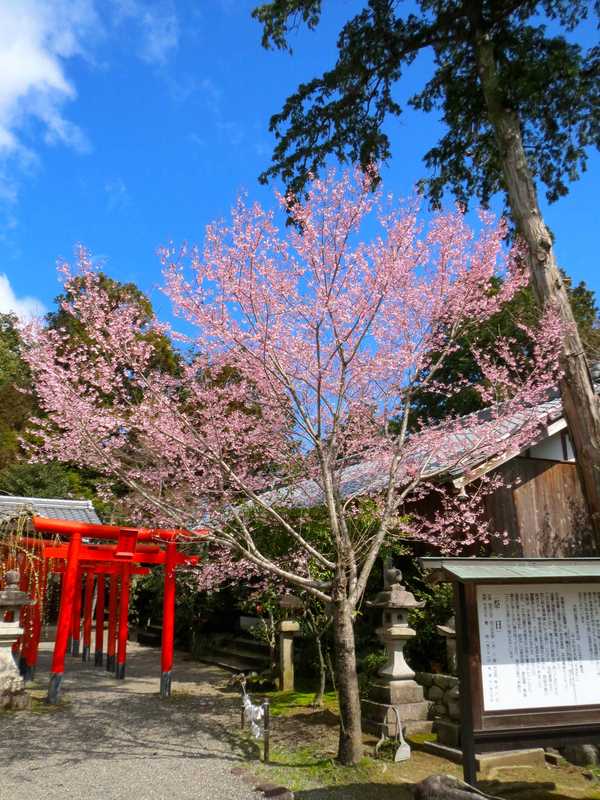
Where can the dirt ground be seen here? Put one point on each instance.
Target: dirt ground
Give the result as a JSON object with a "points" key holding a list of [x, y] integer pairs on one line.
{"points": [[305, 743]]}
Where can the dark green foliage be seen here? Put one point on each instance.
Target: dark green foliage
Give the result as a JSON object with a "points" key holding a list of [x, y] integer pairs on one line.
{"points": [[17, 404], [54, 479], [549, 82], [521, 310], [165, 357], [427, 650]]}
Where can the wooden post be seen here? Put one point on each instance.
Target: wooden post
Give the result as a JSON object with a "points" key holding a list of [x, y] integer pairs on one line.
{"points": [[111, 636], [266, 730], [123, 624], [87, 615], [65, 618], [464, 647], [99, 645], [168, 627]]}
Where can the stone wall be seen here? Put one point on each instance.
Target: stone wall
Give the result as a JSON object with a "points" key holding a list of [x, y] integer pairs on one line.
{"points": [[443, 693]]}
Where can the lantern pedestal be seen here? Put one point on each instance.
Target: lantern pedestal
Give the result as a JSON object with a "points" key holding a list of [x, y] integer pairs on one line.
{"points": [[12, 686], [288, 630]]}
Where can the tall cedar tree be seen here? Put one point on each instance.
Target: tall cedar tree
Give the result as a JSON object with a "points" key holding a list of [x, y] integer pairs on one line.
{"points": [[520, 106]]}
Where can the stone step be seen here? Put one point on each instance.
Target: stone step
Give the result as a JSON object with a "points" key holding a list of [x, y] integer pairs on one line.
{"points": [[242, 653], [486, 762], [228, 662]]}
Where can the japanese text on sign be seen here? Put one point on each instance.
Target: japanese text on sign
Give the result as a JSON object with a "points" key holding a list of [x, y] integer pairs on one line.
{"points": [[540, 645]]}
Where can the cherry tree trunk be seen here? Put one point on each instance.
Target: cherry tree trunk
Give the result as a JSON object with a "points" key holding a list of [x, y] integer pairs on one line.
{"points": [[580, 403], [350, 749]]}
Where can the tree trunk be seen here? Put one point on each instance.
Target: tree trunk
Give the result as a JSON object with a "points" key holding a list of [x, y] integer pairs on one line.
{"points": [[580, 403], [350, 749]]}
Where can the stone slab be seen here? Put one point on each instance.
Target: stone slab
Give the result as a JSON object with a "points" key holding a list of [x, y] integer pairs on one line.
{"points": [[380, 718], [442, 750], [485, 762], [448, 733], [397, 692], [416, 726], [533, 757]]}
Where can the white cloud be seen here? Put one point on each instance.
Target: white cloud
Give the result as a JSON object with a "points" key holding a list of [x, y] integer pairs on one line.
{"points": [[157, 24], [26, 308], [36, 39], [117, 194]]}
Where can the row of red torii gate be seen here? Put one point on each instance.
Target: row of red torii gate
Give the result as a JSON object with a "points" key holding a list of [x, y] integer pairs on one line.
{"points": [[95, 564]]}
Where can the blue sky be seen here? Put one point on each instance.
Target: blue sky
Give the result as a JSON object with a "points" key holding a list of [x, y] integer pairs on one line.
{"points": [[125, 124]]}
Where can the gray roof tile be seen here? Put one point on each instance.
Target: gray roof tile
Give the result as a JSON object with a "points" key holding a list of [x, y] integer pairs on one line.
{"points": [[77, 510], [459, 455]]}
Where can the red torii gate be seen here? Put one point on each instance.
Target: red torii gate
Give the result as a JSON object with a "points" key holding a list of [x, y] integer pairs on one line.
{"points": [[132, 551]]}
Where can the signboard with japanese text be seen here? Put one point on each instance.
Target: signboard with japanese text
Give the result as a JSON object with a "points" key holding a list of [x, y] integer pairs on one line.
{"points": [[539, 645]]}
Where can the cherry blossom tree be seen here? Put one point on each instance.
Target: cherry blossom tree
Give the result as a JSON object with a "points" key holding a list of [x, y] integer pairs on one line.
{"points": [[306, 345]]}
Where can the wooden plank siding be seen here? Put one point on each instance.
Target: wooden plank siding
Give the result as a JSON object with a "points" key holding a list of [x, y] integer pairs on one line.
{"points": [[544, 511]]}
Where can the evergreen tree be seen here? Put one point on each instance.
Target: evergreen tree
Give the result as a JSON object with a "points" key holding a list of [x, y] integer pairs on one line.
{"points": [[521, 105]]}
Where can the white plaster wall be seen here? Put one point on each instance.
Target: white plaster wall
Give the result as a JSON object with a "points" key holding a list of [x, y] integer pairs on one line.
{"points": [[552, 449]]}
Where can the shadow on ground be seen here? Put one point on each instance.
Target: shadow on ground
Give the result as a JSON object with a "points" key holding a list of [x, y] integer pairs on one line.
{"points": [[102, 717], [387, 791]]}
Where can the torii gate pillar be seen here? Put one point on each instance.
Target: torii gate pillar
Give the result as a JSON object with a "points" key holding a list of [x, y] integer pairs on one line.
{"points": [[168, 628], [65, 617]]}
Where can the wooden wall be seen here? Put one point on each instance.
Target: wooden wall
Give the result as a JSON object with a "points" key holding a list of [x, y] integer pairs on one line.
{"points": [[544, 512]]}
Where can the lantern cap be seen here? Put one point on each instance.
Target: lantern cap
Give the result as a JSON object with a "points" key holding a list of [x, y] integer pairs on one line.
{"points": [[11, 596]]}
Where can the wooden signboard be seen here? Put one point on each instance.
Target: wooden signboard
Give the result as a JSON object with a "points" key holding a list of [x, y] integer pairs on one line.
{"points": [[528, 647]]}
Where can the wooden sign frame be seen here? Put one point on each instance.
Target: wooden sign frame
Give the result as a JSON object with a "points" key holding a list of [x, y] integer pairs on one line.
{"points": [[495, 730], [488, 731]]}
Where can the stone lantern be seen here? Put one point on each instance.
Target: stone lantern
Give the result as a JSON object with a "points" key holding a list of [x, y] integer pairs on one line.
{"points": [[288, 630], [12, 687], [448, 631], [395, 699]]}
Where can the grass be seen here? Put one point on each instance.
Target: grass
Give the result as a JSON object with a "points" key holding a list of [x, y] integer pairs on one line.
{"points": [[305, 768], [288, 703]]}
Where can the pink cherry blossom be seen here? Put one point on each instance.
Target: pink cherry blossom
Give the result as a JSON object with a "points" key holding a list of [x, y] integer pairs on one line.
{"points": [[306, 343]]}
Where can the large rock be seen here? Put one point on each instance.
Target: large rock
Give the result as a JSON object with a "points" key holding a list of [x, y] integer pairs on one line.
{"points": [[435, 693], [424, 678], [445, 787], [445, 681], [583, 755]]}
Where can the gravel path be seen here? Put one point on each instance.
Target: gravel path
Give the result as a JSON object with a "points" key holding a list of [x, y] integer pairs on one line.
{"points": [[118, 741]]}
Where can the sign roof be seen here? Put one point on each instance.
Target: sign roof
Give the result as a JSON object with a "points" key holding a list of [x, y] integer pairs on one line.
{"points": [[513, 570]]}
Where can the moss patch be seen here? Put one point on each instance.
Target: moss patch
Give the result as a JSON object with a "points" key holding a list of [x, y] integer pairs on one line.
{"points": [[289, 703]]}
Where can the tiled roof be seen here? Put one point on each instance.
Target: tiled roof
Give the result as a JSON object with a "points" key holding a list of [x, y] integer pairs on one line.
{"points": [[79, 510], [458, 456]]}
